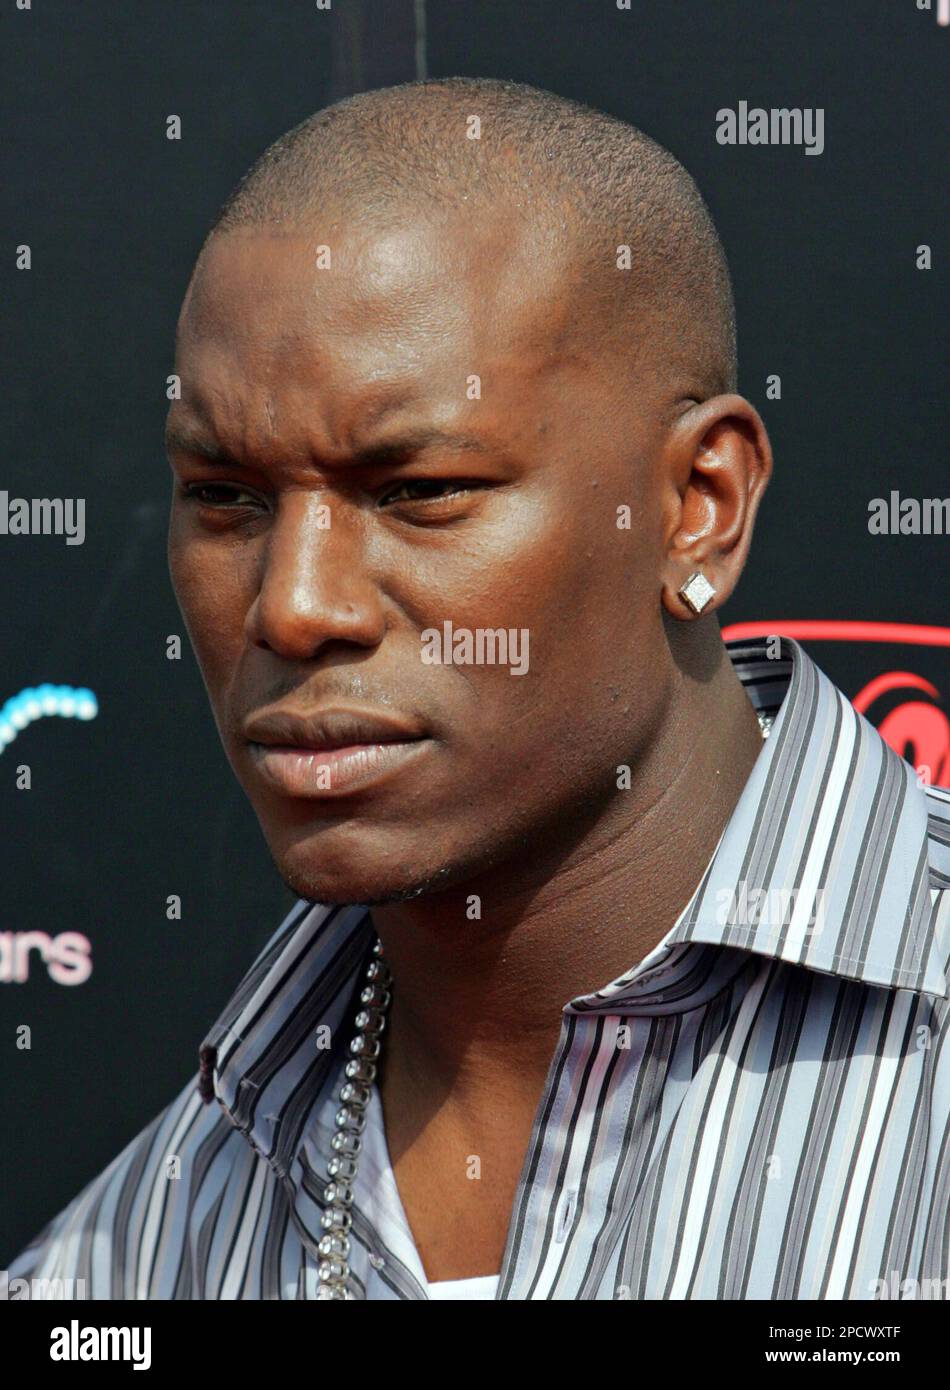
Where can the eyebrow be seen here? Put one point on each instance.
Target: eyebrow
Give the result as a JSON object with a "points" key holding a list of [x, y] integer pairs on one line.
{"points": [[180, 439]]}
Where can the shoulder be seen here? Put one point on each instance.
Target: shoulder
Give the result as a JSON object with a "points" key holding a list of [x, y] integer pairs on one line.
{"points": [[937, 802], [938, 835], [105, 1243]]}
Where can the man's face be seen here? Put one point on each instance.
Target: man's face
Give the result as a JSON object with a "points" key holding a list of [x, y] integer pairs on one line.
{"points": [[422, 432]]}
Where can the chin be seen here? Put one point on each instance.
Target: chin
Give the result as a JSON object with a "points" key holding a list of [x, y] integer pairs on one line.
{"points": [[314, 876]]}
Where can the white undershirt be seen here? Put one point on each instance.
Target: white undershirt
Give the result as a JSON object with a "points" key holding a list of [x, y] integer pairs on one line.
{"points": [[378, 1194], [481, 1287]]}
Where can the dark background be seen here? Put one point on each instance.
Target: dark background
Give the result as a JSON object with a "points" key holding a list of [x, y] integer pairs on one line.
{"points": [[141, 803]]}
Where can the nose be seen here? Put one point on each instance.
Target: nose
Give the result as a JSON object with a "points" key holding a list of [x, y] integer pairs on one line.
{"points": [[315, 586]]}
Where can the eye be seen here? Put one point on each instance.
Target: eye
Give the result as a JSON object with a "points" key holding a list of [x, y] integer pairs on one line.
{"points": [[218, 495], [431, 490]]}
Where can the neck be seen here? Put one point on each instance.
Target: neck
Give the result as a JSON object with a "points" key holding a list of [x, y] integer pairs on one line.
{"points": [[477, 1004]]}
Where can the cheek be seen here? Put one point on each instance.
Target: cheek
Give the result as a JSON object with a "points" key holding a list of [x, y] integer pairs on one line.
{"points": [[214, 592], [578, 593], [599, 660], [588, 592]]}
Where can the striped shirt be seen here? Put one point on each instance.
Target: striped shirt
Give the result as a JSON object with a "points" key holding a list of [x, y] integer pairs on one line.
{"points": [[758, 1109]]}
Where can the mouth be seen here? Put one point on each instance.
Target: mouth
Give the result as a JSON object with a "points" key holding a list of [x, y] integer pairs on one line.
{"points": [[333, 752]]}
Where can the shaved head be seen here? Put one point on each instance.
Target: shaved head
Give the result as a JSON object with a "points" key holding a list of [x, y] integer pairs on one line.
{"points": [[625, 222]]}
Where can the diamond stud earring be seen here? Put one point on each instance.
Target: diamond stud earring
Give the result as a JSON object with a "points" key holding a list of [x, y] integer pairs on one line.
{"points": [[696, 592]]}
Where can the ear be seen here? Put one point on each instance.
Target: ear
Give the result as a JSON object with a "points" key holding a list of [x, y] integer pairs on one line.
{"points": [[717, 462]]}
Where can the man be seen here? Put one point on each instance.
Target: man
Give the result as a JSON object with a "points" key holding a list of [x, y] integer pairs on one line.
{"points": [[658, 1004]]}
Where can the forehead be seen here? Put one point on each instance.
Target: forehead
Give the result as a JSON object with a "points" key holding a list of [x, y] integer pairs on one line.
{"points": [[343, 323]]}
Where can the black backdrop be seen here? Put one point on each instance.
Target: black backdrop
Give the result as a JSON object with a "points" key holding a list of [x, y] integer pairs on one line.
{"points": [[140, 803]]}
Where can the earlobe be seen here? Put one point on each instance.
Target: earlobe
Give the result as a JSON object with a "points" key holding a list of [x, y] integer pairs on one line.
{"points": [[697, 592]]}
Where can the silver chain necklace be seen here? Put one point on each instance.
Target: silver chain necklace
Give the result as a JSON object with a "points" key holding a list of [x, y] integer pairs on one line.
{"points": [[333, 1271]]}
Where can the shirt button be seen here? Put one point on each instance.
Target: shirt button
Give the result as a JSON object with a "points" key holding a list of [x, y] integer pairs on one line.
{"points": [[377, 1261]]}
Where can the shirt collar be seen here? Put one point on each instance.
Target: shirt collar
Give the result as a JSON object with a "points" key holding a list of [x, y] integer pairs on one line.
{"points": [[825, 861], [824, 864]]}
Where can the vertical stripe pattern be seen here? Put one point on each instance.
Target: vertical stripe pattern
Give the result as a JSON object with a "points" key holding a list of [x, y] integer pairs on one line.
{"points": [[758, 1109]]}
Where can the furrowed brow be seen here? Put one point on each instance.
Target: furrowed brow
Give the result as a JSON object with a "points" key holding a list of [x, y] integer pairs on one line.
{"points": [[183, 441], [180, 439], [405, 447]]}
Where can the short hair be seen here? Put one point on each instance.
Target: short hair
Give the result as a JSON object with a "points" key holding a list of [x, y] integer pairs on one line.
{"points": [[395, 147]]}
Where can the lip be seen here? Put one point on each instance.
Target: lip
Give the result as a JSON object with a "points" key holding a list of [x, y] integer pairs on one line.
{"points": [[330, 752]]}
